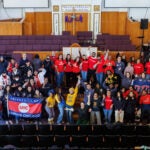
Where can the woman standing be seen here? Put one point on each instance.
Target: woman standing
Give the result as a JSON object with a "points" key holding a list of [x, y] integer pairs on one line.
{"points": [[130, 107], [61, 105], [59, 67], [76, 69], [49, 107], [95, 109], [108, 106], [119, 105]]}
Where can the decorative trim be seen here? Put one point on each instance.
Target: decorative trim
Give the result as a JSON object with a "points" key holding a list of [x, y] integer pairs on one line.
{"points": [[76, 8], [56, 23], [96, 8], [96, 24], [55, 8]]}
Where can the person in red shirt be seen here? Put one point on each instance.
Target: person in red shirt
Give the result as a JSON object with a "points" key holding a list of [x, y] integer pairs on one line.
{"points": [[147, 66], [131, 89], [109, 64], [36, 79], [92, 60], [108, 106], [68, 70], [100, 70], [76, 69], [145, 105], [138, 67], [84, 68], [59, 68], [11, 65]]}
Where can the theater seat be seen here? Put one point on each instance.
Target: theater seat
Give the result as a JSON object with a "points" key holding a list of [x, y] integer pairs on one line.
{"points": [[62, 140], [58, 129], [129, 141], [29, 129], [143, 140], [45, 140], [16, 129], [29, 141], [78, 141], [14, 140], [44, 129], [4, 130], [95, 141]]}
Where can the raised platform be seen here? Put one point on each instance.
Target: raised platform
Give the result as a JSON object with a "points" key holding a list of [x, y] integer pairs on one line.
{"points": [[43, 54]]}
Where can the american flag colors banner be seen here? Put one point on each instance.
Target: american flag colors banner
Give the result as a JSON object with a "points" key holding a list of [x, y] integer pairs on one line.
{"points": [[24, 107]]}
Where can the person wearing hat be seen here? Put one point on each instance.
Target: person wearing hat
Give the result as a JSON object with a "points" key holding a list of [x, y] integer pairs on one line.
{"points": [[49, 107], [70, 101]]}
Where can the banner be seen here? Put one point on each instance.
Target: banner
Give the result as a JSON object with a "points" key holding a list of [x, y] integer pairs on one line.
{"points": [[24, 107]]}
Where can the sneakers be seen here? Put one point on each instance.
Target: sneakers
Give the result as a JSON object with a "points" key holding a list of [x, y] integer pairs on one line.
{"points": [[50, 120]]}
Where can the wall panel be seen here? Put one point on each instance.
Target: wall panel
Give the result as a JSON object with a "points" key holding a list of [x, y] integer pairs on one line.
{"points": [[43, 23], [39, 22], [29, 23], [109, 22], [10, 28], [118, 23], [75, 26]]}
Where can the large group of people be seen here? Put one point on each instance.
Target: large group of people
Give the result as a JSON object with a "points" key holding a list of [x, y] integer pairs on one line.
{"points": [[110, 90]]}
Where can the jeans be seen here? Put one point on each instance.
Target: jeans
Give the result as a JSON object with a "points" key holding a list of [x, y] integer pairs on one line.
{"points": [[91, 73], [98, 117], [50, 112], [69, 116], [61, 113], [107, 114], [68, 78], [59, 78], [99, 77], [84, 75]]}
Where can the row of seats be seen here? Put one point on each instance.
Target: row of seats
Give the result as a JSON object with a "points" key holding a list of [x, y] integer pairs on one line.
{"points": [[84, 35], [114, 42], [55, 42], [31, 47], [37, 37], [46, 129], [45, 43], [74, 140]]}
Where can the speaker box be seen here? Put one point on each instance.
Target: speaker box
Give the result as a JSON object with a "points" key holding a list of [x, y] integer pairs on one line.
{"points": [[144, 24]]}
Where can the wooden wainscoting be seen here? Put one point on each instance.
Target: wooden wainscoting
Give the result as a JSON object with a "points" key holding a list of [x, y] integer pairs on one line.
{"points": [[10, 28]]}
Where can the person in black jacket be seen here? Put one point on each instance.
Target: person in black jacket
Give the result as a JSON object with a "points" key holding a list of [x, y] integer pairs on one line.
{"points": [[119, 105], [95, 105], [18, 92], [83, 113], [130, 107], [3, 64]]}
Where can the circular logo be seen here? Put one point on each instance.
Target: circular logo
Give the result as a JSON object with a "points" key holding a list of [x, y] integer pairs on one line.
{"points": [[23, 107]]}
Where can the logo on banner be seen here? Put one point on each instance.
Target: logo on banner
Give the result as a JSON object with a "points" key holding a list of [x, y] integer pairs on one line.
{"points": [[23, 107]]}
